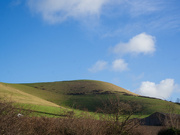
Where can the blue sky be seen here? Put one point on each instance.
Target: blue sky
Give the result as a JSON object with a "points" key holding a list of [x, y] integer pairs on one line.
{"points": [[131, 43]]}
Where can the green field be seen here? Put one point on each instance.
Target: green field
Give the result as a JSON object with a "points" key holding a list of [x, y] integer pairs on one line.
{"points": [[79, 95]]}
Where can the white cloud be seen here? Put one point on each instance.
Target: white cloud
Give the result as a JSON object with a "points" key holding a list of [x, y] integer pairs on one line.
{"points": [[55, 11], [119, 65], [98, 66], [162, 90], [142, 43]]}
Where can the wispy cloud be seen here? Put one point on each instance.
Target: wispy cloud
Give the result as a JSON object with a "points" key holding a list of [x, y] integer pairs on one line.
{"points": [[119, 65], [162, 90], [55, 11], [98, 66], [145, 15], [171, 21], [141, 7], [137, 77], [91, 11], [142, 43]]}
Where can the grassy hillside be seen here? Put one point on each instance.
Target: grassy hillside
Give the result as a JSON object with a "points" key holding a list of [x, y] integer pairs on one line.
{"points": [[91, 95], [13, 93], [30, 98], [81, 94], [80, 87]]}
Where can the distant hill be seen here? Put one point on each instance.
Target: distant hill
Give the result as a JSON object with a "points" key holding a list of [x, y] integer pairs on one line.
{"points": [[81, 94]]}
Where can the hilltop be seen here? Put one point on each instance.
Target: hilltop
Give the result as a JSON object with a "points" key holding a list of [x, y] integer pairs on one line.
{"points": [[81, 87]]}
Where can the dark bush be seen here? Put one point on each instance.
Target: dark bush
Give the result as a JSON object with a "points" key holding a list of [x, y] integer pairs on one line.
{"points": [[169, 131]]}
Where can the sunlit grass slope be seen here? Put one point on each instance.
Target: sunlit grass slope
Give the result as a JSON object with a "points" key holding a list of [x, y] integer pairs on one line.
{"points": [[13, 93], [91, 95]]}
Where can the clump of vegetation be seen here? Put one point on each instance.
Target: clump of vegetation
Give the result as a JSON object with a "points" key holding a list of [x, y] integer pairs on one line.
{"points": [[172, 121], [10, 123], [169, 131], [115, 119], [120, 113]]}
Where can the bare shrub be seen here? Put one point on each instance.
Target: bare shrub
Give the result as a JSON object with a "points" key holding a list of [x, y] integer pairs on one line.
{"points": [[119, 116], [11, 124], [171, 119], [174, 117]]}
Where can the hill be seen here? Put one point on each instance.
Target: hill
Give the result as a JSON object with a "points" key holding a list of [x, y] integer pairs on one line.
{"points": [[91, 95], [81, 94], [80, 87]]}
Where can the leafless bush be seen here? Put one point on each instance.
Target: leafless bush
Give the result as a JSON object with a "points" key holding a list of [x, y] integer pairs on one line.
{"points": [[119, 116], [10, 124], [172, 118]]}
